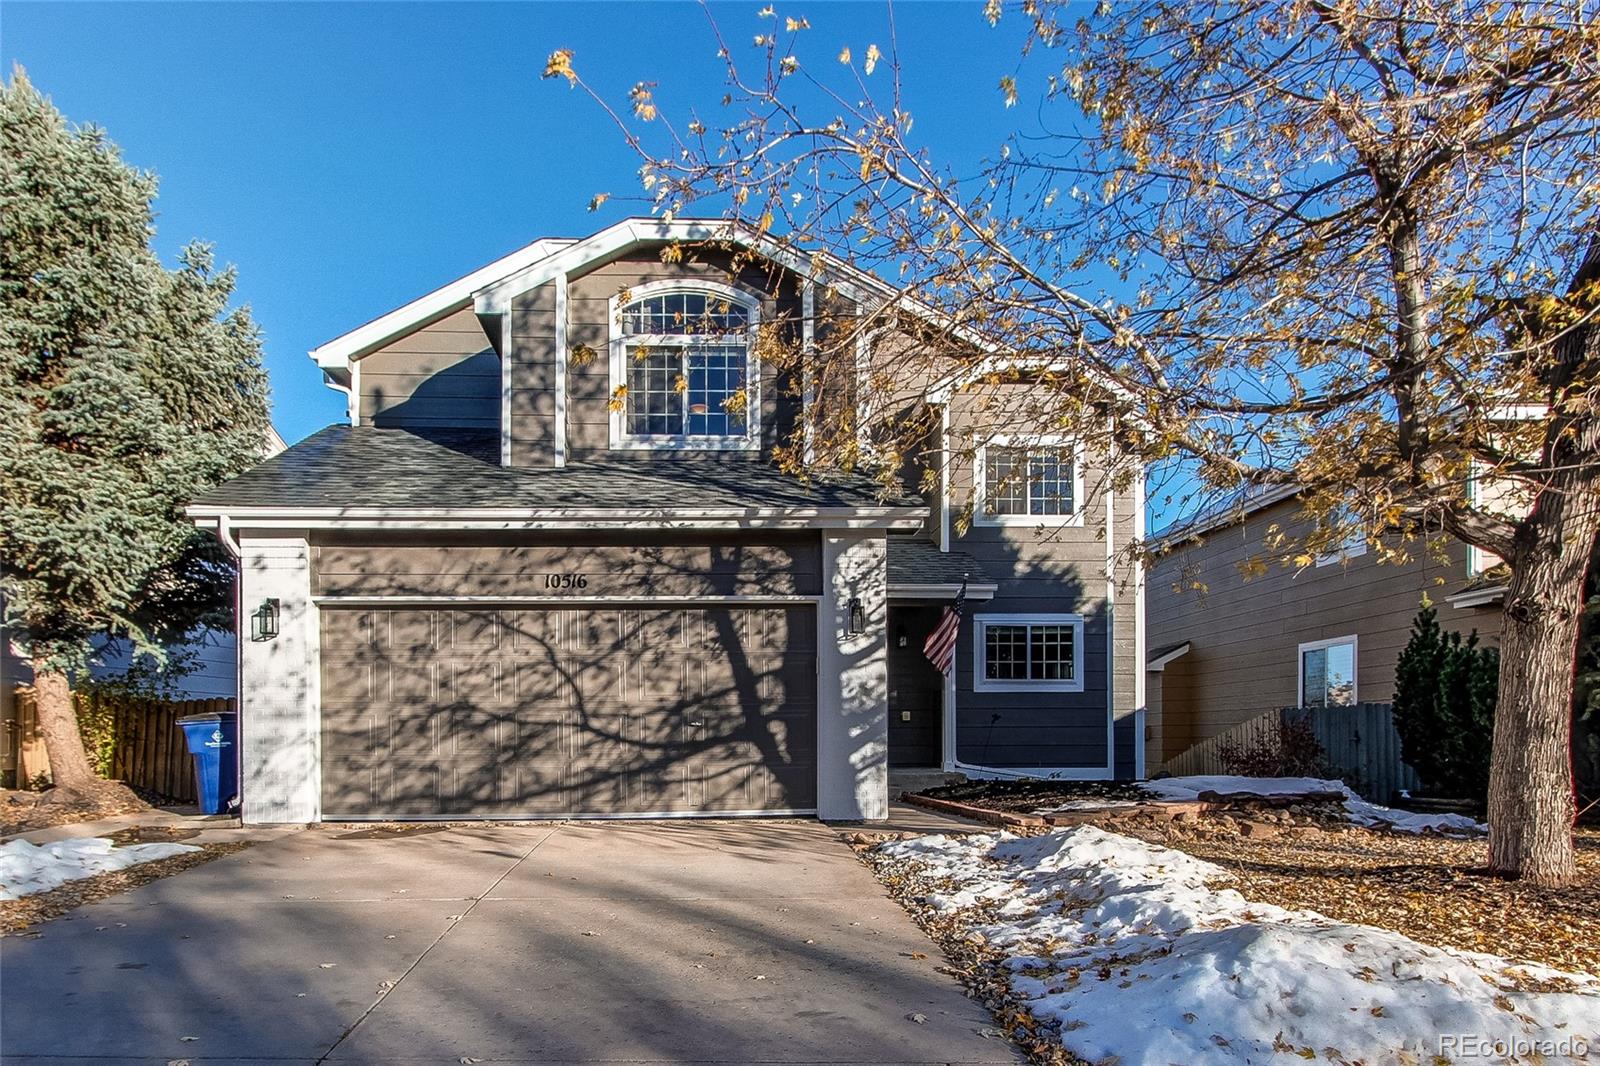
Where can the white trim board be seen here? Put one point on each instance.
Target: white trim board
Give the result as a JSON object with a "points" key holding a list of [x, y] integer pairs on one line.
{"points": [[338, 353], [980, 488], [981, 622], [356, 600], [559, 434], [1158, 664], [620, 438], [941, 590], [1317, 645]]}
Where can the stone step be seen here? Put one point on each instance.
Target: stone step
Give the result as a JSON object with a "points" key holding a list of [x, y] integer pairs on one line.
{"points": [[917, 779]]}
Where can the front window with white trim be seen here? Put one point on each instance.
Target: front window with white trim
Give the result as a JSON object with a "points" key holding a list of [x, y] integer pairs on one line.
{"points": [[1041, 483], [1028, 653], [1328, 673], [681, 374]]}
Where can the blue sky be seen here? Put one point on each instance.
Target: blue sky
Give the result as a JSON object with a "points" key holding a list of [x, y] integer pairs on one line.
{"points": [[349, 157]]}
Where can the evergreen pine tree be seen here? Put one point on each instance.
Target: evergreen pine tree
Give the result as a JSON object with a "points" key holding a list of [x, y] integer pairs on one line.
{"points": [[125, 389]]}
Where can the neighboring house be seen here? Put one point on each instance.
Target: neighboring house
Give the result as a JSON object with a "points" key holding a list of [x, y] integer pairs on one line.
{"points": [[550, 566], [1225, 647]]}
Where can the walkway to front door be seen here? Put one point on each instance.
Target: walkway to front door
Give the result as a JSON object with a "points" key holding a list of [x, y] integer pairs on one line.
{"points": [[758, 941]]}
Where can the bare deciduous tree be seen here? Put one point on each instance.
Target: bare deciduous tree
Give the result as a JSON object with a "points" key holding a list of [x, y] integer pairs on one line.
{"points": [[1336, 245]]}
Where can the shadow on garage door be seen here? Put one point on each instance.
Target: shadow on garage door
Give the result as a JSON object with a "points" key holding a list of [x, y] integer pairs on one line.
{"points": [[541, 712]]}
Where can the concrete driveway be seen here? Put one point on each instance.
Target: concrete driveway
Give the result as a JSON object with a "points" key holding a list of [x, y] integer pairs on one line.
{"points": [[727, 942]]}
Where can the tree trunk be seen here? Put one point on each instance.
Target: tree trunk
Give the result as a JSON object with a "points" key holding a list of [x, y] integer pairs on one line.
{"points": [[58, 721], [1530, 770]]}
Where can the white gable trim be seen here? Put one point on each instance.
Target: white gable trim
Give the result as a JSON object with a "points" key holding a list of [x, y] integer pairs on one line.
{"points": [[338, 353]]}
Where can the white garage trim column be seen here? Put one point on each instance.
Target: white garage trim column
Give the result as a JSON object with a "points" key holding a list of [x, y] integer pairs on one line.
{"points": [[280, 684], [853, 680]]}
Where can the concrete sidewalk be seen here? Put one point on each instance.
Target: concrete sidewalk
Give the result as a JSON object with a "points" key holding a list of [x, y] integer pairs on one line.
{"points": [[755, 941]]}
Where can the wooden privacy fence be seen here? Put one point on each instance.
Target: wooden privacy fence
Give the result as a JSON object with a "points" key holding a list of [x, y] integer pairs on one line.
{"points": [[147, 750], [1360, 741], [1204, 757], [1362, 746]]}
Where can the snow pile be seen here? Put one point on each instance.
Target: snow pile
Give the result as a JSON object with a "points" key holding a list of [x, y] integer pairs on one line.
{"points": [[1121, 946], [28, 868], [1360, 811]]}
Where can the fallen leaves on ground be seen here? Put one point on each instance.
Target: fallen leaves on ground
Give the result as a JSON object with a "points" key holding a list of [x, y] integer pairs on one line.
{"points": [[17, 915], [1435, 890], [23, 811]]}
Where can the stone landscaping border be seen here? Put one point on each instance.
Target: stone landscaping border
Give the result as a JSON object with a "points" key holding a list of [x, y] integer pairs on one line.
{"points": [[1159, 809]]}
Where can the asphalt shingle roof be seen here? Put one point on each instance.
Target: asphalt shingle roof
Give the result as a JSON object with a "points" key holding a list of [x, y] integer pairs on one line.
{"points": [[344, 466], [914, 561]]}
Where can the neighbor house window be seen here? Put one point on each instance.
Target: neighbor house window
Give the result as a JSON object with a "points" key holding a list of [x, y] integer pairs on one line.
{"points": [[1038, 483], [1028, 652], [681, 371], [1328, 673]]}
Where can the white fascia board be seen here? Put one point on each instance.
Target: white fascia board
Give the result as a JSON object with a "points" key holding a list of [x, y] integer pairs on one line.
{"points": [[895, 519], [1231, 515], [1159, 663], [1477, 597], [496, 295], [947, 590], [337, 353]]}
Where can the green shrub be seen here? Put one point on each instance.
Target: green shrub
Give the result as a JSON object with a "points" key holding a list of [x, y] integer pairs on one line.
{"points": [[1444, 697]]}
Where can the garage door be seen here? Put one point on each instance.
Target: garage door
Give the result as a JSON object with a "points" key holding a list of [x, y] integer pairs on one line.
{"points": [[577, 711]]}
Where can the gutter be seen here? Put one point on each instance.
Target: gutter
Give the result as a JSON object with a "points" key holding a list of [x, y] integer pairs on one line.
{"points": [[1477, 597]]}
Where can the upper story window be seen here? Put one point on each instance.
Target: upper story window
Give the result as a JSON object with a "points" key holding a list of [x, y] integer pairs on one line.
{"points": [[681, 369], [1040, 484]]}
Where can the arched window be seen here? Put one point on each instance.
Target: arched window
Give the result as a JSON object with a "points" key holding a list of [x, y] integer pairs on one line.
{"points": [[681, 373]]}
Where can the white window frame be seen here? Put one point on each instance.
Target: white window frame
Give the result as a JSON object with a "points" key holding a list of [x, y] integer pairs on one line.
{"points": [[1354, 547], [621, 439], [980, 467], [980, 627], [1318, 645]]}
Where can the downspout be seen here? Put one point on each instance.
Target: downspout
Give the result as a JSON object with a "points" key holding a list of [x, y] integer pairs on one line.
{"points": [[230, 542]]}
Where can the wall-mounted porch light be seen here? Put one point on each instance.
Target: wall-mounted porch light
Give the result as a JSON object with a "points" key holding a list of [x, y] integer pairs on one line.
{"points": [[857, 618], [264, 621]]}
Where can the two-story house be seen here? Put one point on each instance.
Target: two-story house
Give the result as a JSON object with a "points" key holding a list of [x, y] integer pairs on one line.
{"points": [[1230, 641], [550, 567]]}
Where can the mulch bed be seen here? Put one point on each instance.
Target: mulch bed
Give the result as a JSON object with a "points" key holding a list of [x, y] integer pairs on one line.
{"points": [[23, 812], [1026, 797], [18, 915]]}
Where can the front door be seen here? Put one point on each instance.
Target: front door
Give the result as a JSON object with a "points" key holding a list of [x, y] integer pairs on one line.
{"points": [[916, 688]]}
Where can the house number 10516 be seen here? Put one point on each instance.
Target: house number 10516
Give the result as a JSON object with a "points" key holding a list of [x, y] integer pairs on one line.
{"points": [[566, 581]]}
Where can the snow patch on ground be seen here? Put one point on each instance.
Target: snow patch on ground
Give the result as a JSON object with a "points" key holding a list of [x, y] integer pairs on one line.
{"points": [[1122, 945], [28, 868], [1360, 811]]}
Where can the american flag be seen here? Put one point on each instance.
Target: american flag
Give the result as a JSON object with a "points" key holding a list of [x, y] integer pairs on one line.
{"points": [[940, 647]]}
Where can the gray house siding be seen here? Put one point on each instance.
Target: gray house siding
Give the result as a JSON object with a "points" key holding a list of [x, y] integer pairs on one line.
{"points": [[532, 373], [612, 565], [444, 375], [1058, 569], [589, 332]]}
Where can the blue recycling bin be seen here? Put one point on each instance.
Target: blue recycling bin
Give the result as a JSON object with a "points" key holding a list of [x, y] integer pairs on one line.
{"points": [[211, 739]]}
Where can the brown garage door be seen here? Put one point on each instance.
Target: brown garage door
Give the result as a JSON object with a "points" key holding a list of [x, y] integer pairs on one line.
{"points": [[588, 710]]}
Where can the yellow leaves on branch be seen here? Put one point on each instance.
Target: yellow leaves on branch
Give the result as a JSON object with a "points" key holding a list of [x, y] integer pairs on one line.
{"points": [[844, 54], [873, 55], [1008, 86], [643, 103], [598, 199], [559, 65]]}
